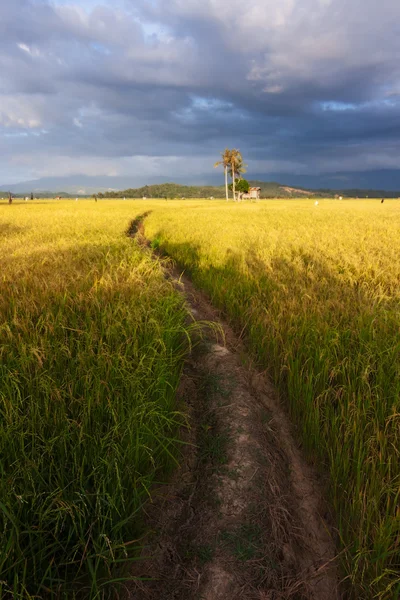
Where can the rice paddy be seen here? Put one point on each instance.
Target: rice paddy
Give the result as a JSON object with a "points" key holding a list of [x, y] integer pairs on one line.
{"points": [[316, 292], [92, 341]]}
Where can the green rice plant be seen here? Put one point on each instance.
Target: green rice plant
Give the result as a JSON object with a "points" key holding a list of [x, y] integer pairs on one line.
{"points": [[92, 341]]}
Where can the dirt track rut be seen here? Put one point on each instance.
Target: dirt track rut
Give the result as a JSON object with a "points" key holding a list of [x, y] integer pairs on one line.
{"points": [[244, 516]]}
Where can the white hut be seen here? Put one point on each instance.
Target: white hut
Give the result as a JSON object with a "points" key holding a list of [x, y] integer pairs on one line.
{"points": [[253, 193]]}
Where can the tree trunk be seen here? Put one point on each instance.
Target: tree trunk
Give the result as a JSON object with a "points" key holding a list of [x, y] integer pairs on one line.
{"points": [[233, 182], [226, 183]]}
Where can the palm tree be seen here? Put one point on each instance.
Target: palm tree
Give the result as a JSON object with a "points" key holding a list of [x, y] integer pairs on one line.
{"points": [[236, 167], [240, 166], [225, 162]]}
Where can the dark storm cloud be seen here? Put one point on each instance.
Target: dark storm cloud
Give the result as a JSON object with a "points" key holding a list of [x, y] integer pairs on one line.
{"points": [[302, 86]]}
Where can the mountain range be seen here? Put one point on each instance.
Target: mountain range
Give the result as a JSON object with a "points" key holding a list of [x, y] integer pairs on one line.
{"points": [[385, 183]]}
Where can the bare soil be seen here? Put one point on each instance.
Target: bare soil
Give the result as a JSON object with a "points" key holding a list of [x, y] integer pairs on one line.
{"points": [[244, 515]]}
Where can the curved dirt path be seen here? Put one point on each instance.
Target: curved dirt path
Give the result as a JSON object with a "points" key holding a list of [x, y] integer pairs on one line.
{"points": [[244, 516]]}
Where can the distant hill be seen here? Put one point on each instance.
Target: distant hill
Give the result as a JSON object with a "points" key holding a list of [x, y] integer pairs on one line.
{"points": [[357, 193], [85, 185], [36, 194], [176, 190], [207, 186], [168, 190], [272, 189], [278, 190], [269, 189], [74, 185]]}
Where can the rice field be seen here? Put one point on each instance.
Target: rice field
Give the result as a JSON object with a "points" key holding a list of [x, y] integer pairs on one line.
{"points": [[92, 341], [316, 292]]}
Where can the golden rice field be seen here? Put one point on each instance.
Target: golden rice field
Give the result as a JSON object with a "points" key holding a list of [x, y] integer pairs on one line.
{"points": [[92, 341], [317, 292]]}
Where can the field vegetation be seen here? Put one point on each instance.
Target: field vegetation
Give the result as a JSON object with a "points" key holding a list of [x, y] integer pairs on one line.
{"points": [[92, 340], [316, 292]]}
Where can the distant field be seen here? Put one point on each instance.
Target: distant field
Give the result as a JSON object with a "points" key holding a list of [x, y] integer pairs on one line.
{"points": [[91, 348], [317, 292]]}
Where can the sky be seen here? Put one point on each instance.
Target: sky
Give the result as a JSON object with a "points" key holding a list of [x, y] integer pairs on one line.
{"points": [[306, 89]]}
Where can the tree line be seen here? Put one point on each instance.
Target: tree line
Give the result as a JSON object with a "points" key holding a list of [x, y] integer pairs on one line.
{"points": [[166, 191]]}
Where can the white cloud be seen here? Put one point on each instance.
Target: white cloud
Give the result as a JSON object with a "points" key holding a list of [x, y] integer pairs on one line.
{"points": [[25, 48]]}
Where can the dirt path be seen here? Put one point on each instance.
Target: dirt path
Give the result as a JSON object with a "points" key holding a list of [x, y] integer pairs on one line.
{"points": [[243, 517]]}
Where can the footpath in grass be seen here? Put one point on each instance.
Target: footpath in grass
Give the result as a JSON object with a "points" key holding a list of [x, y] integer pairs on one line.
{"points": [[316, 292], [244, 516], [92, 341]]}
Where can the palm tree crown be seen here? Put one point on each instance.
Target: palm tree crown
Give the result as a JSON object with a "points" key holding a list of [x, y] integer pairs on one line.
{"points": [[237, 165], [232, 161]]}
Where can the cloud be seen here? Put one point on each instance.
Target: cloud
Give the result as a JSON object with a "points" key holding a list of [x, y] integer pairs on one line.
{"points": [[299, 86]]}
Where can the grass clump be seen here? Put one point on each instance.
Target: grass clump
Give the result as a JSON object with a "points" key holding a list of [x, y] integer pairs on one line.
{"points": [[92, 340], [244, 541]]}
